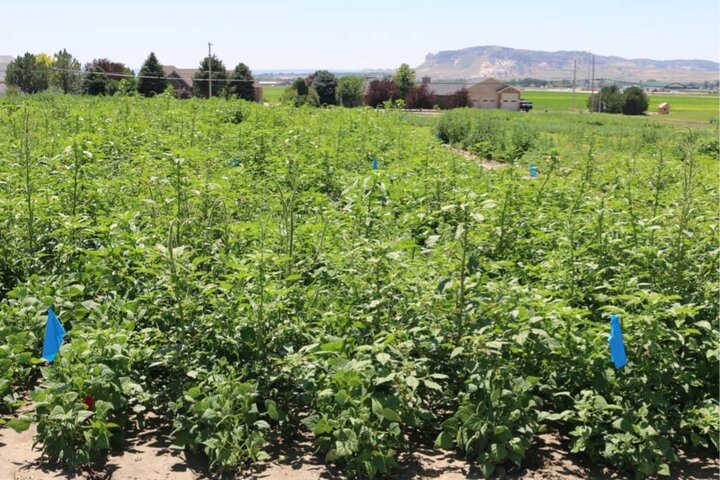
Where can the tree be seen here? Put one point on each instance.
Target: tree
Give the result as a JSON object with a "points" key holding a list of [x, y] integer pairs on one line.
{"points": [[349, 92], [420, 97], [405, 79], [325, 84], [381, 91], [202, 80], [299, 94], [635, 101], [27, 74], [66, 74], [45, 60], [609, 100], [242, 83], [152, 79], [95, 81], [460, 98], [114, 72], [300, 86]]}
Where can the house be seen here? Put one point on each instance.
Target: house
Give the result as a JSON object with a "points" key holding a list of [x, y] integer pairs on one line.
{"points": [[493, 94], [663, 108], [487, 94], [182, 81], [4, 60]]}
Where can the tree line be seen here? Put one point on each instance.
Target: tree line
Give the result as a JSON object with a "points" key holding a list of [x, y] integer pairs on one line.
{"points": [[30, 73], [324, 88], [610, 99]]}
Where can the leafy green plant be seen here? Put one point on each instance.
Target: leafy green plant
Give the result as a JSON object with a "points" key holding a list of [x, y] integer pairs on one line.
{"points": [[219, 417], [622, 436], [495, 421], [375, 304], [87, 397], [364, 405]]}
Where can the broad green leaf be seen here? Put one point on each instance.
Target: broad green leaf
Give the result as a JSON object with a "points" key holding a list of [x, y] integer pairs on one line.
{"points": [[83, 415], [391, 415], [272, 411], [432, 385], [377, 407], [383, 358], [19, 424], [444, 441]]}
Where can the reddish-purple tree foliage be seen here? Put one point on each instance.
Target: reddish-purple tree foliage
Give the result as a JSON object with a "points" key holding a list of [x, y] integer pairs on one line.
{"points": [[380, 91], [109, 67], [460, 98], [420, 96], [310, 79]]}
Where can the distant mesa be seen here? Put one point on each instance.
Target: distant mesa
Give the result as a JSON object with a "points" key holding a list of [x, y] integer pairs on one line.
{"points": [[509, 63]]}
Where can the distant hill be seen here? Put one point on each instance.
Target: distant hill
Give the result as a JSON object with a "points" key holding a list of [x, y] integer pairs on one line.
{"points": [[509, 63]]}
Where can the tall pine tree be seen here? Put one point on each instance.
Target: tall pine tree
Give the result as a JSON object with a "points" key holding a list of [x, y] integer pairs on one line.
{"points": [[201, 78], [242, 83], [152, 79], [66, 74]]}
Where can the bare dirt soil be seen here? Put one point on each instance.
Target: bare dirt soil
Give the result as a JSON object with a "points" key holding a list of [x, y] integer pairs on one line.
{"points": [[483, 162], [147, 456]]}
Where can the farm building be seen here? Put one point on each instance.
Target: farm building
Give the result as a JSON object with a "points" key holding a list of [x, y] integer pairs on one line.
{"points": [[488, 94], [182, 81], [663, 108]]}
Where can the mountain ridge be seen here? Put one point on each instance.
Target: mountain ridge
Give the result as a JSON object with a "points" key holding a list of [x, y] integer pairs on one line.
{"points": [[509, 63]]}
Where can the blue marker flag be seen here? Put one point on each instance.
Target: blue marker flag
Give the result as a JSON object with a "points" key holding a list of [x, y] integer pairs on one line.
{"points": [[617, 347], [533, 170], [235, 162], [374, 164], [54, 333]]}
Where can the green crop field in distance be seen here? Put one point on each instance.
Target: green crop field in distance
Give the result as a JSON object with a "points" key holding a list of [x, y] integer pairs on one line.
{"points": [[690, 108], [273, 93]]}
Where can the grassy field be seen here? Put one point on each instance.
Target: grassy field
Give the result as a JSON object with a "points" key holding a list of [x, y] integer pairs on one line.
{"points": [[684, 107], [273, 93]]}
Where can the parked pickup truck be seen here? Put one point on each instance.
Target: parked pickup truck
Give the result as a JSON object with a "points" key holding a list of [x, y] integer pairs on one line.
{"points": [[525, 105]]}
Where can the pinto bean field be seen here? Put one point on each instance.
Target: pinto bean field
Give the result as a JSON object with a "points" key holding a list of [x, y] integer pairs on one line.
{"points": [[240, 277]]}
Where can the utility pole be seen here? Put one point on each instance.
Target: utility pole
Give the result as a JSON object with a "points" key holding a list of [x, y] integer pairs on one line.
{"points": [[574, 77], [209, 69], [592, 86]]}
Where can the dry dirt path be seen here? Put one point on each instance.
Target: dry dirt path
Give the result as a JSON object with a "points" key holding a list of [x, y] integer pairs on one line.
{"points": [[484, 163], [147, 457]]}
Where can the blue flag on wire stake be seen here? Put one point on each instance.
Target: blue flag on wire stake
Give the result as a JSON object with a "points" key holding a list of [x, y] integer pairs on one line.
{"points": [[374, 164], [617, 347], [533, 170], [54, 333]]}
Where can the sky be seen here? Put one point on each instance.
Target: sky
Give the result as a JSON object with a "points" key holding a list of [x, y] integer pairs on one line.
{"points": [[351, 35]]}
